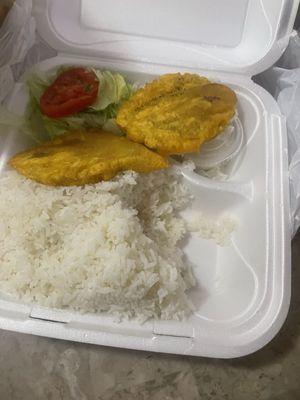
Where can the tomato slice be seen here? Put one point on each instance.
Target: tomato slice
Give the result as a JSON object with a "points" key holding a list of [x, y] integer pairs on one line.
{"points": [[71, 92]]}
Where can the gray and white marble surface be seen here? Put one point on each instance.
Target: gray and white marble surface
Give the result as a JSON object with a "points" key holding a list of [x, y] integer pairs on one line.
{"points": [[35, 368]]}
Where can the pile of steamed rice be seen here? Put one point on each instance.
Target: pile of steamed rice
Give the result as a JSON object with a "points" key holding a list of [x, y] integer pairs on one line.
{"points": [[105, 247]]}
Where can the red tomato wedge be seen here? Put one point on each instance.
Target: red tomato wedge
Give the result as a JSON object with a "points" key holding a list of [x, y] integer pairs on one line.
{"points": [[71, 92]]}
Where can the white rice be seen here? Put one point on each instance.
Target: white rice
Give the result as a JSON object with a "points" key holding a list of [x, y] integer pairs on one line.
{"points": [[109, 247], [105, 247], [219, 230]]}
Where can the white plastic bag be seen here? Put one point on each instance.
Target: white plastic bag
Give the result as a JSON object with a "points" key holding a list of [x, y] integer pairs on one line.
{"points": [[283, 82], [17, 33], [17, 36], [20, 47]]}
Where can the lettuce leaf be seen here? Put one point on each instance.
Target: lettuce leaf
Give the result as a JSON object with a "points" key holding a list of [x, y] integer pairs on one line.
{"points": [[113, 90]]}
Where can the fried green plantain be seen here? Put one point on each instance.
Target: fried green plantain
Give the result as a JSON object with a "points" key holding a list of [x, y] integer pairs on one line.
{"points": [[177, 113], [80, 158]]}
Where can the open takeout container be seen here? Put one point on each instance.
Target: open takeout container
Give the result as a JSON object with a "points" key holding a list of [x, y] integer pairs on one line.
{"points": [[243, 289]]}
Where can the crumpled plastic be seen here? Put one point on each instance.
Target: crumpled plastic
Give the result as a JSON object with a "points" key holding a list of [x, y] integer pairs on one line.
{"points": [[17, 36], [283, 82], [20, 47]]}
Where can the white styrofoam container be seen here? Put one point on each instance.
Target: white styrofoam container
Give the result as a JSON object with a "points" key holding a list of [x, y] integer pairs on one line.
{"points": [[243, 290]]}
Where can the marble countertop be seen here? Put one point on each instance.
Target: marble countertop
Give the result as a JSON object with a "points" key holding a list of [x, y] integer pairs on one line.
{"points": [[34, 368]]}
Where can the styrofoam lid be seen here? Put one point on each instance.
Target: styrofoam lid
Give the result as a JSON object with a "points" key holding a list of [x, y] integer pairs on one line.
{"points": [[238, 36]]}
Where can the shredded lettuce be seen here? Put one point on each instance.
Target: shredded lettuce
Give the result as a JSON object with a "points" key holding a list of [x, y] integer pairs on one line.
{"points": [[113, 90]]}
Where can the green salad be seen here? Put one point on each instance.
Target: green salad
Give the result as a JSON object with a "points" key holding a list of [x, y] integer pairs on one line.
{"points": [[113, 91]]}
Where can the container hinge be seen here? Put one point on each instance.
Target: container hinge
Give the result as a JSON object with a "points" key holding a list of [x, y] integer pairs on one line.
{"points": [[49, 315], [184, 340], [48, 320], [161, 329], [173, 336]]}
